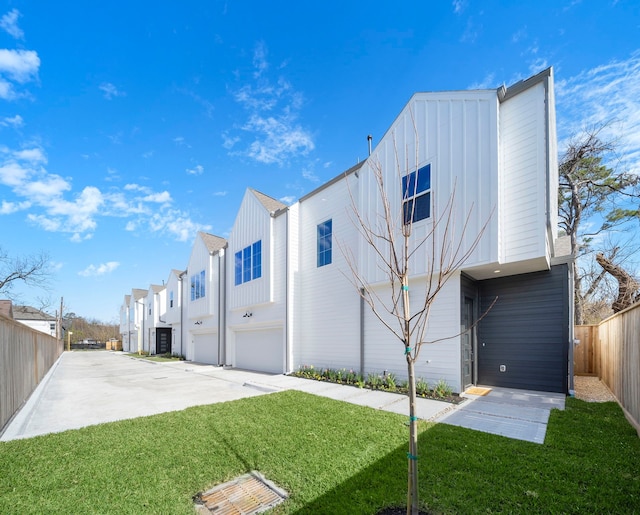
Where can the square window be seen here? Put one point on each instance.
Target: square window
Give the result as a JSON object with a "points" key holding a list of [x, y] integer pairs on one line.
{"points": [[416, 195]]}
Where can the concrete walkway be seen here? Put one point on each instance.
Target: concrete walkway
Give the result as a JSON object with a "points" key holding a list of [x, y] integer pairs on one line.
{"points": [[94, 387]]}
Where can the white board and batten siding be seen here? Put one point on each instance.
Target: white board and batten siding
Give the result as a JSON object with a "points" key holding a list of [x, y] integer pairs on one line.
{"points": [[523, 143], [440, 360], [456, 133], [203, 314], [256, 311], [327, 328]]}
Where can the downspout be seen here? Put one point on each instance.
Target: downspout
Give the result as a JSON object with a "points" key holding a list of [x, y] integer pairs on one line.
{"points": [[181, 279], [287, 348], [362, 293], [221, 314]]}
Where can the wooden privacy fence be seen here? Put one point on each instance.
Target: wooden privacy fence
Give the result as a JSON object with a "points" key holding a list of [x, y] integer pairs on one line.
{"points": [[26, 355], [611, 350]]}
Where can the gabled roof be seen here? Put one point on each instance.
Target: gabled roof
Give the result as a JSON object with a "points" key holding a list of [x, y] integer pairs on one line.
{"points": [[157, 288], [139, 293], [270, 204], [212, 242], [29, 313]]}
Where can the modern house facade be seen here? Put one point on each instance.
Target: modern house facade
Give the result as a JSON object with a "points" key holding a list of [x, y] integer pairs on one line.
{"points": [[279, 294]]}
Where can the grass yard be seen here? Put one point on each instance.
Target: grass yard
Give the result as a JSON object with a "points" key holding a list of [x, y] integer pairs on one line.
{"points": [[332, 457]]}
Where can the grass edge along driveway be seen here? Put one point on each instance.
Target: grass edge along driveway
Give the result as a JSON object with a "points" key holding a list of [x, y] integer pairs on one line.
{"points": [[332, 457]]}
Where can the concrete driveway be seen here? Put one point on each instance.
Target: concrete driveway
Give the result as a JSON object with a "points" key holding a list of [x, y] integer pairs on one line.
{"points": [[93, 387]]}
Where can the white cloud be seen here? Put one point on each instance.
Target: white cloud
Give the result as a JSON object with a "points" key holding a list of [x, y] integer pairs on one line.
{"points": [[159, 198], [148, 154], [289, 199], [607, 94], [31, 155], [459, 6], [220, 193], [8, 208], [110, 91], [19, 65], [9, 23], [13, 121], [196, 170], [102, 269], [310, 175], [176, 223], [276, 136]]}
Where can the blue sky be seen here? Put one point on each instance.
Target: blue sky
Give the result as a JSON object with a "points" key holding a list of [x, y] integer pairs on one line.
{"points": [[126, 127]]}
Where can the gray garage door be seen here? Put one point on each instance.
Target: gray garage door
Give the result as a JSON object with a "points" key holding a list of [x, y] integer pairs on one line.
{"points": [[523, 340], [261, 350]]}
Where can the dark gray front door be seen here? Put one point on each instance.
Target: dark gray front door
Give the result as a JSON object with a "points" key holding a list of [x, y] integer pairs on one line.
{"points": [[163, 341], [467, 342]]}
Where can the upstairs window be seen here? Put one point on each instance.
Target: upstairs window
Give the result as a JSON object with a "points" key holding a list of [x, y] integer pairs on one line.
{"points": [[324, 243], [416, 195], [171, 299], [248, 263], [197, 285]]}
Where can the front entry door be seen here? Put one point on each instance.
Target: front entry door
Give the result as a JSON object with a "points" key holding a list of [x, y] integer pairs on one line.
{"points": [[163, 341], [468, 330]]}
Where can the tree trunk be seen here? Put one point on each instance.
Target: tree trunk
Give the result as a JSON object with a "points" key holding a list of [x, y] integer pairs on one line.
{"points": [[412, 488]]}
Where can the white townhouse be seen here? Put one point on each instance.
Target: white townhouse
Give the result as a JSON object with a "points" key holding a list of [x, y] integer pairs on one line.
{"points": [[205, 300], [284, 297], [175, 314], [256, 290], [132, 338], [157, 334], [125, 324], [497, 150]]}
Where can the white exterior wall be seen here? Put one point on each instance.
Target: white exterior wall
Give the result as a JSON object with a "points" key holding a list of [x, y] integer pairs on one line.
{"points": [[457, 133], [327, 332], [40, 325], [441, 360], [523, 146], [203, 315], [260, 304], [174, 314]]}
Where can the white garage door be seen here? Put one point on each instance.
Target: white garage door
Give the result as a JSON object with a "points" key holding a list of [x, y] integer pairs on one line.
{"points": [[205, 348], [261, 350]]}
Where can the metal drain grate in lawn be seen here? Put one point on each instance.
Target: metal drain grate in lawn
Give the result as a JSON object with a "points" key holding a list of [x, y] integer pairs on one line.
{"points": [[245, 495]]}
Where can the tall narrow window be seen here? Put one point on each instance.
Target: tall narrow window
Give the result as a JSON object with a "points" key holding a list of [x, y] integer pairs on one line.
{"points": [[238, 265], [416, 195], [246, 264], [324, 243], [198, 285], [256, 265], [171, 299]]}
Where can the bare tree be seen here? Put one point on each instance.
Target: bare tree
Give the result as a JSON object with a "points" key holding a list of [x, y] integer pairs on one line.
{"points": [[590, 191], [390, 239], [32, 270]]}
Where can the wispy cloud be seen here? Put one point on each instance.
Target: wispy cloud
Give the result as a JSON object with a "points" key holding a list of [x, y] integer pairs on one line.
{"points": [[12, 121], [98, 270], [196, 170], [17, 66], [459, 6], [9, 23], [110, 91], [607, 94], [272, 106]]}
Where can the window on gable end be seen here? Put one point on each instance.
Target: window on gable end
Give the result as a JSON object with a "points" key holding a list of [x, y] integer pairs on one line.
{"points": [[324, 243], [248, 263], [197, 285], [416, 195]]}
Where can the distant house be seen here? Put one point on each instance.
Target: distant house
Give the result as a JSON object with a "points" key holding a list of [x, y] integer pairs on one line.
{"points": [[277, 294], [36, 319]]}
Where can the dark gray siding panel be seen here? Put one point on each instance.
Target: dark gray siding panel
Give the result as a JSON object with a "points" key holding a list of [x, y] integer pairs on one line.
{"points": [[526, 331]]}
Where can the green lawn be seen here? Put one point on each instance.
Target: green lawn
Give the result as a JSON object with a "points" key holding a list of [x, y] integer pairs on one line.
{"points": [[332, 457]]}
